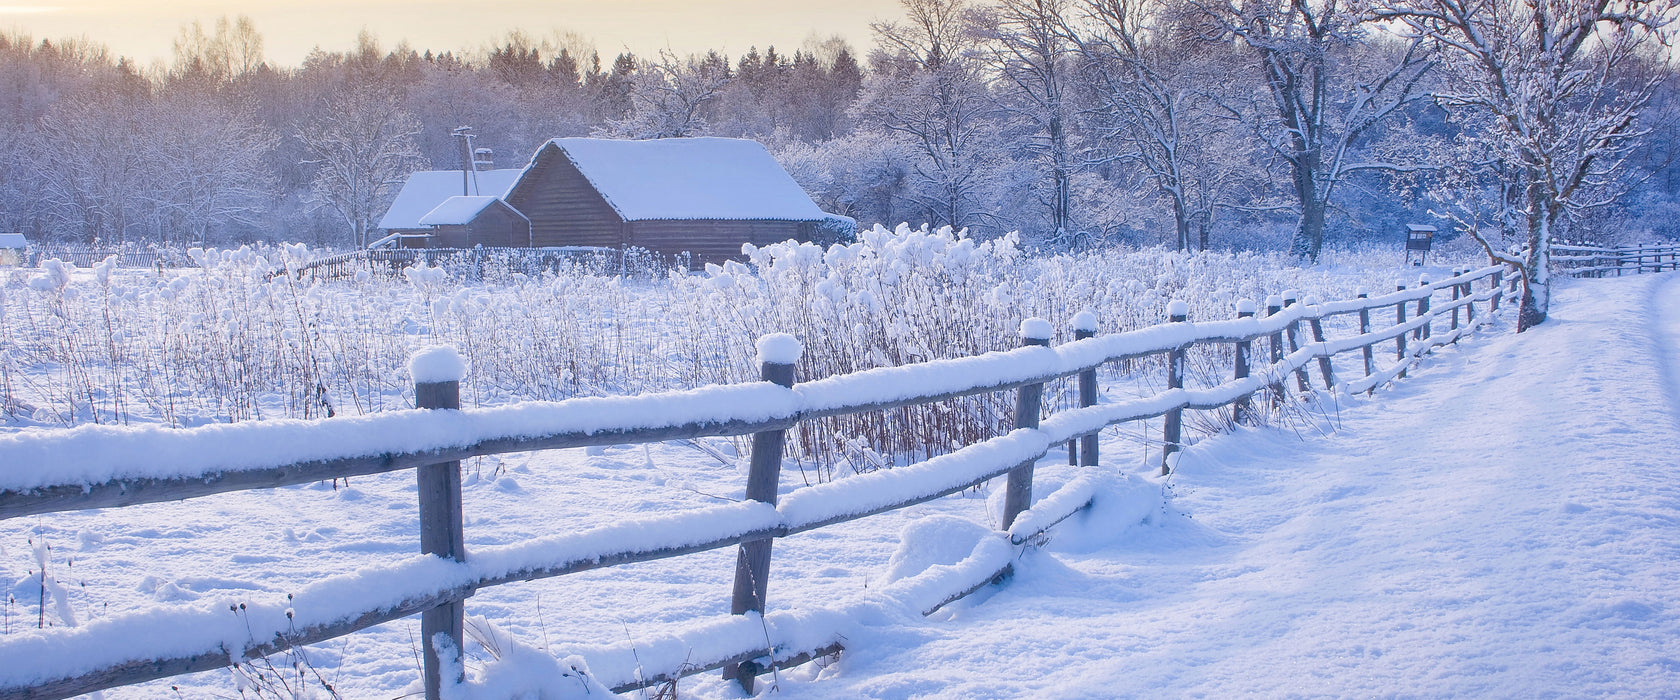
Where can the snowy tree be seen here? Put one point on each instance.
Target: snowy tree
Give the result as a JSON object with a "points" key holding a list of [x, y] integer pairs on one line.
{"points": [[1031, 52], [362, 145], [1156, 90], [1321, 96], [1552, 93], [667, 98], [927, 89]]}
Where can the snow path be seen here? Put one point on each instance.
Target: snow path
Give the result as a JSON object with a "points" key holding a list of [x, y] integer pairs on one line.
{"points": [[1506, 523]]}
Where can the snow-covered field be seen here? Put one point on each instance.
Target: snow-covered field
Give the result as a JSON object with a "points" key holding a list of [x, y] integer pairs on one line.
{"points": [[1504, 524], [1494, 525]]}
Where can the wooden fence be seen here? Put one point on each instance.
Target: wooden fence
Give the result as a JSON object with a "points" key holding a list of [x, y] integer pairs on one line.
{"points": [[473, 262], [434, 438], [1597, 261]]}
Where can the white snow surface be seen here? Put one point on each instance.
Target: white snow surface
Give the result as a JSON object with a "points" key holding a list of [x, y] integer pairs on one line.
{"points": [[693, 178], [457, 210], [1502, 524], [1036, 329], [426, 189], [437, 363], [779, 349]]}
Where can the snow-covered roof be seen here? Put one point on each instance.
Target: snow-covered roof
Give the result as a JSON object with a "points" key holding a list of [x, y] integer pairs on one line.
{"points": [[695, 178], [457, 210], [13, 240], [1420, 227], [426, 189]]}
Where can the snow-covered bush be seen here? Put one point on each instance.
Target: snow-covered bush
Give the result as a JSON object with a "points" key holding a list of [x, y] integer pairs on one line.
{"points": [[239, 339]]}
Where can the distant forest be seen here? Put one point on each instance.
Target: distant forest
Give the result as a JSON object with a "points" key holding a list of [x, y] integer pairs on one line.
{"points": [[1076, 122]]}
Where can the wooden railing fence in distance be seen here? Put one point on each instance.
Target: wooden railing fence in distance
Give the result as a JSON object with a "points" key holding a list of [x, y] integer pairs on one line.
{"points": [[1600, 261], [45, 476]]}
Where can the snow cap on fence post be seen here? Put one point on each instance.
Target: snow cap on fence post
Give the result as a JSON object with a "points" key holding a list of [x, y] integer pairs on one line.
{"points": [[1310, 300], [779, 349], [1036, 329], [1423, 280], [1290, 296], [1274, 303], [1085, 321], [1246, 307], [436, 363], [1178, 310]]}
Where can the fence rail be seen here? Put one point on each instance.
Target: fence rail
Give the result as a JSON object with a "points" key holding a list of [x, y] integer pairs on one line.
{"points": [[65, 470], [1597, 261], [472, 262]]}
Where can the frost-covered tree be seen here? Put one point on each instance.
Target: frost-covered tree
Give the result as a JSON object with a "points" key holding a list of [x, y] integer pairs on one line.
{"points": [[1031, 53], [1154, 104], [927, 90], [1321, 94], [668, 97], [362, 146], [1551, 94]]}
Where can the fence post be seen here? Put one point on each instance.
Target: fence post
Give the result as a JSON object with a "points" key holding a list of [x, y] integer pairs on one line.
{"points": [[437, 373], [1423, 308], [1242, 409], [1172, 428], [1085, 326], [1029, 402], [1470, 308], [777, 353], [1365, 327], [1274, 304], [1457, 293], [1294, 333], [1400, 340], [1317, 325]]}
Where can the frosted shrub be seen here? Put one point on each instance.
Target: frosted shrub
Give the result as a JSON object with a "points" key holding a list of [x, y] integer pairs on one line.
{"points": [[240, 339]]}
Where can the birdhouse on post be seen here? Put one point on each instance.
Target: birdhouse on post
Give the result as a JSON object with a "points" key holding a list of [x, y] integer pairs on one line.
{"points": [[1418, 239]]}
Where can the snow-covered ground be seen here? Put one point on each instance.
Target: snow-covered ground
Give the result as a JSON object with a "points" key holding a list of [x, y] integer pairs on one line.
{"points": [[1502, 523]]}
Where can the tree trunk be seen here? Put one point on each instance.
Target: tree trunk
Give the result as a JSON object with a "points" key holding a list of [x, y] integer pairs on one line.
{"points": [[1537, 277]]}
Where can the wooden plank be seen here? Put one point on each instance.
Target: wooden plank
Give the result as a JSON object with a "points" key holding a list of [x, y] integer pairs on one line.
{"points": [[1172, 427], [752, 560], [1029, 403], [441, 534]]}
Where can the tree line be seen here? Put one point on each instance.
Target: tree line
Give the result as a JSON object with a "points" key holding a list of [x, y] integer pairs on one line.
{"points": [[1193, 123]]}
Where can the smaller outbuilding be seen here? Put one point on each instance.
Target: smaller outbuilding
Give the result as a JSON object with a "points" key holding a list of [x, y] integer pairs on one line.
{"points": [[468, 222], [13, 247]]}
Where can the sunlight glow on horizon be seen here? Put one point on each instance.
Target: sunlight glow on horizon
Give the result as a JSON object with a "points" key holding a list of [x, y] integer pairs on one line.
{"points": [[291, 29]]}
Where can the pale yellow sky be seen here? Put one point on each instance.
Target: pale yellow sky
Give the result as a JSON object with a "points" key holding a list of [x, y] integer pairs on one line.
{"points": [[144, 30]]}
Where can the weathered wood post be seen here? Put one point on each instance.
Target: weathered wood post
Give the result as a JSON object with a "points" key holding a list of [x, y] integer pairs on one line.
{"points": [[1365, 327], [1274, 304], [1498, 289], [437, 372], [1457, 293], [1470, 308], [1085, 326], [1172, 428], [1316, 323], [1029, 403], [1400, 340], [1423, 308], [777, 353], [1242, 410], [1294, 333]]}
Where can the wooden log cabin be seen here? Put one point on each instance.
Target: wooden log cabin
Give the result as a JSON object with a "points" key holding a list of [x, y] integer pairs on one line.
{"points": [[701, 196]]}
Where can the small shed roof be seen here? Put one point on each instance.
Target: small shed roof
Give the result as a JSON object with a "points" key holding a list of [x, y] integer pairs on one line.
{"points": [[1420, 227], [427, 189], [13, 240], [690, 178], [457, 211]]}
